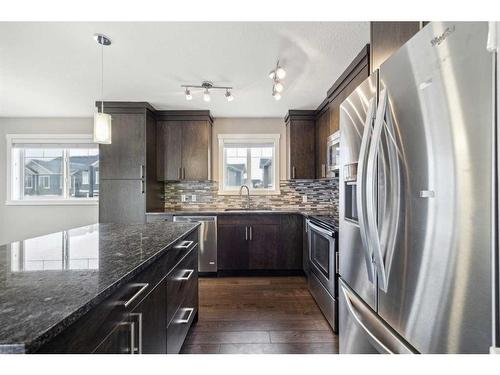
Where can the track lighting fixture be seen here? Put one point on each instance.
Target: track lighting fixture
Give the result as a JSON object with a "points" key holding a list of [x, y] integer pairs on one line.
{"points": [[277, 75], [207, 86]]}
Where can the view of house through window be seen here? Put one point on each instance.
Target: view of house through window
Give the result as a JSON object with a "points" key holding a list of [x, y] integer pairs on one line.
{"points": [[54, 171], [250, 162]]}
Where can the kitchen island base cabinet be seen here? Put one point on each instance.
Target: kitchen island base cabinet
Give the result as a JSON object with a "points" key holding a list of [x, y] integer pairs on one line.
{"points": [[138, 318], [267, 243]]}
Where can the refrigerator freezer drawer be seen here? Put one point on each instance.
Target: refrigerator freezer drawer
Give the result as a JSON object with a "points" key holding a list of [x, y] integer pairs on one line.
{"points": [[361, 329], [325, 301]]}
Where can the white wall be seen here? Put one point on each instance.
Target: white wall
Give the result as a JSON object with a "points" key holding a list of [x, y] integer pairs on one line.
{"points": [[248, 126], [20, 222]]}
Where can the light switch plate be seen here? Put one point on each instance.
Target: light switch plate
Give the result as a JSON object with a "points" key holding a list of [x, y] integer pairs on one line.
{"points": [[183, 198], [193, 198]]}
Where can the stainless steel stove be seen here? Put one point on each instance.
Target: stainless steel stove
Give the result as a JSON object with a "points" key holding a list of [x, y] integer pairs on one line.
{"points": [[323, 263]]}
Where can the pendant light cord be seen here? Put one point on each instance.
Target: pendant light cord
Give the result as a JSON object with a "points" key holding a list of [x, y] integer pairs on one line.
{"points": [[102, 76]]}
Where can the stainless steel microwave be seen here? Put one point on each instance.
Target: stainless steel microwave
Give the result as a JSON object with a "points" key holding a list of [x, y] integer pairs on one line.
{"points": [[333, 154]]}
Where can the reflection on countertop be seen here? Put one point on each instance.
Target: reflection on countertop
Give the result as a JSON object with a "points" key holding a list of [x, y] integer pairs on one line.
{"points": [[48, 282]]}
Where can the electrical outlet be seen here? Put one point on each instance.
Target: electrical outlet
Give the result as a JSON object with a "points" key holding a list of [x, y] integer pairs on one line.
{"points": [[304, 199], [183, 198], [193, 198]]}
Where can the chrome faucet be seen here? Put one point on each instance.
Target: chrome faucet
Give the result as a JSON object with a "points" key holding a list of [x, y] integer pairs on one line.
{"points": [[248, 194]]}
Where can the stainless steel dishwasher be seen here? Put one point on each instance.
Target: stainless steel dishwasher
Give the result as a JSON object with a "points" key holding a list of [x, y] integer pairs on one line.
{"points": [[207, 256]]}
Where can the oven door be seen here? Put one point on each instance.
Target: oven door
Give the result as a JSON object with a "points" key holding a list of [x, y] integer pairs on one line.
{"points": [[322, 260]]}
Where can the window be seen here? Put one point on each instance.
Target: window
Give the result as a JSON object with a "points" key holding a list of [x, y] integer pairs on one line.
{"points": [[249, 159], [57, 169]]}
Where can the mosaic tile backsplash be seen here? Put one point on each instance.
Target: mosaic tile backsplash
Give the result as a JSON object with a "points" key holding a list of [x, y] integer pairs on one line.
{"points": [[322, 195]]}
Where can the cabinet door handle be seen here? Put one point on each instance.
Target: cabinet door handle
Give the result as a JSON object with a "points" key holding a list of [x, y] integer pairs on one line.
{"points": [[130, 349], [246, 233], [186, 319], [179, 173], [323, 170], [293, 172], [143, 186], [184, 245], [251, 231], [137, 350], [186, 276], [143, 174], [143, 287], [183, 173]]}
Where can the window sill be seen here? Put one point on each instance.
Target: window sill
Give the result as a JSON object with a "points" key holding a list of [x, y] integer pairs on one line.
{"points": [[55, 202], [252, 192]]}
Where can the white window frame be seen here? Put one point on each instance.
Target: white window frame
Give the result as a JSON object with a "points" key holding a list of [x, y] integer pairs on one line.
{"points": [[250, 138], [49, 139]]}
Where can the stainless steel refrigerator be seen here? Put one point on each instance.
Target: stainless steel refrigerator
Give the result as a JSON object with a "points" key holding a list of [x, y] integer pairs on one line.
{"points": [[417, 193]]}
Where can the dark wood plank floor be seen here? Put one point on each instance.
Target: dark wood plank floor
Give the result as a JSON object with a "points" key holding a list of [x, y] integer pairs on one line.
{"points": [[259, 315]]}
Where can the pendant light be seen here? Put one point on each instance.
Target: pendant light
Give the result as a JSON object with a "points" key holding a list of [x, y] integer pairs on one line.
{"points": [[102, 121]]}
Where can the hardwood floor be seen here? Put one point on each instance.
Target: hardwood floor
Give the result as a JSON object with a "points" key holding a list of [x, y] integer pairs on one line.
{"points": [[258, 315]]}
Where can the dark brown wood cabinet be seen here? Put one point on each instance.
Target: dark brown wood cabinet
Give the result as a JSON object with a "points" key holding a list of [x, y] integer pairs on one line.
{"points": [[127, 167], [328, 113], [387, 37], [184, 145], [151, 313], [259, 242], [264, 247], [148, 319], [233, 246], [300, 144]]}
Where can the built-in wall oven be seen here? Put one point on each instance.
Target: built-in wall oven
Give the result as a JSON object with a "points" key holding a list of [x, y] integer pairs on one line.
{"points": [[323, 266]]}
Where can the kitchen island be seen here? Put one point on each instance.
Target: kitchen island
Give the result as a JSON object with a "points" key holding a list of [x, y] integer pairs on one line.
{"points": [[102, 288]]}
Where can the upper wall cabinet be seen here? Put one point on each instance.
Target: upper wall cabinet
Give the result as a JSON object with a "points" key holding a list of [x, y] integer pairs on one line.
{"points": [[328, 113], [300, 144], [387, 37], [127, 166], [184, 141]]}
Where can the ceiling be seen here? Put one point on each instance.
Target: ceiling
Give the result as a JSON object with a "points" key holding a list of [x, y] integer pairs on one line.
{"points": [[52, 69]]}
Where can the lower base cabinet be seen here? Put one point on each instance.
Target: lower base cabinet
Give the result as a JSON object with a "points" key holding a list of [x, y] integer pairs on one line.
{"points": [[259, 242], [151, 314]]}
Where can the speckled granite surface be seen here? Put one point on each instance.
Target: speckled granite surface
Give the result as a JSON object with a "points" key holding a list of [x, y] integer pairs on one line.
{"points": [[48, 282], [327, 216]]}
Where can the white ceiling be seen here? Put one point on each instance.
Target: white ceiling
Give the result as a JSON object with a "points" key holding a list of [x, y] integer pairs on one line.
{"points": [[52, 69]]}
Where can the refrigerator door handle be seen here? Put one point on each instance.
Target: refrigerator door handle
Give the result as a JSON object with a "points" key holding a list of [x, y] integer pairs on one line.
{"points": [[390, 211], [379, 334], [361, 189]]}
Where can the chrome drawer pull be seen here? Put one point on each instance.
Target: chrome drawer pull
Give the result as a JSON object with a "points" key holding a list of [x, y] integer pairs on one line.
{"points": [[143, 286], [187, 275], [184, 245], [186, 320]]}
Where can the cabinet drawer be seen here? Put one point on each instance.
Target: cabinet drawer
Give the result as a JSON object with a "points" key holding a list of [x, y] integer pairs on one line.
{"points": [[179, 326], [180, 281]]}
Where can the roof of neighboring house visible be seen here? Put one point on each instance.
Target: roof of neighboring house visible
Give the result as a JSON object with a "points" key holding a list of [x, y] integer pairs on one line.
{"points": [[54, 166], [237, 167], [265, 163]]}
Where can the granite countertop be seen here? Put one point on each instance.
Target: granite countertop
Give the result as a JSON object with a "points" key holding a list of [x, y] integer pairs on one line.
{"points": [[326, 216], [48, 282]]}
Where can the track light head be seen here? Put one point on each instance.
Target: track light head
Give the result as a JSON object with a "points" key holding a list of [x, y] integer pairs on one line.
{"points": [[229, 96], [206, 95], [188, 94]]}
